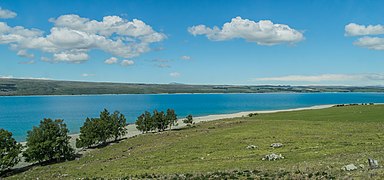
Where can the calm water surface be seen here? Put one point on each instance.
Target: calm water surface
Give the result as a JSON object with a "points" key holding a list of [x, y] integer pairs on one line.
{"points": [[20, 114]]}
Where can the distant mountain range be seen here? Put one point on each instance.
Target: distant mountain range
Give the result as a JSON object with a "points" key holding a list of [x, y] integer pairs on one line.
{"points": [[18, 87]]}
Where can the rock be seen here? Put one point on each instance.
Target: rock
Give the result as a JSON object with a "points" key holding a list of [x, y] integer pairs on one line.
{"points": [[251, 147], [276, 145], [349, 167], [361, 166], [272, 157], [373, 164]]}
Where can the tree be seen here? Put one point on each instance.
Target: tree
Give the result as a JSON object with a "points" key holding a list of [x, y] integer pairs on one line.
{"points": [[117, 122], [160, 120], [171, 118], [88, 134], [49, 141], [149, 122], [9, 150], [140, 123], [188, 120]]}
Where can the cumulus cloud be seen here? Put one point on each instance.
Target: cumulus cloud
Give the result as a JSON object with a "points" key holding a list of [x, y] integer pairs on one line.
{"points": [[374, 43], [185, 57], [111, 60], [354, 79], [72, 37], [175, 74], [264, 32], [353, 29], [127, 63], [7, 14]]}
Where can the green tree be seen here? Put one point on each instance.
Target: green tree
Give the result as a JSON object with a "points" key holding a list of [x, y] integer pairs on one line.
{"points": [[118, 123], [49, 141], [100, 130], [140, 123], [9, 150], [149, 122], [160, 120], [88, 134], [171, 118], [188, 120]]}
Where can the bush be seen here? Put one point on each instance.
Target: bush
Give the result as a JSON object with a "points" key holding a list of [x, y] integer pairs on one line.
{"points": [[9, 150], [188, 120], [49, 141]]}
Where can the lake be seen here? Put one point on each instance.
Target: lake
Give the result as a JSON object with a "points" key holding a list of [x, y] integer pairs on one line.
{"points": [[19, 114]]}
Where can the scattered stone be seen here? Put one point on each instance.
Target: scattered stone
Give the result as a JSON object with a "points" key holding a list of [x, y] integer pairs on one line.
{"points": [[361, 166], [272, 157], [349, 167], [373, 164], [251, 147], [276, 145]]}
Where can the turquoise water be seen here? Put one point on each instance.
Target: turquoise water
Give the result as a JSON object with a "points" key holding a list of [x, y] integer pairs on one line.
{"points": [[20, 114]]}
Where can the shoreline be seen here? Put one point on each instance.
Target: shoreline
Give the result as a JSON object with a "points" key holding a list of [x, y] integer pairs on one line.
{"points": [[277, 92], [132, 131]]}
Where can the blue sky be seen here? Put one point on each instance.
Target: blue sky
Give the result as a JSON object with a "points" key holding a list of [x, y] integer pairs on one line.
{"points": [[195, 42]]}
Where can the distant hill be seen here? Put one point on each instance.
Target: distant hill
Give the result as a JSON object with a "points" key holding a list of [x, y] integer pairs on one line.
{"points": [[17, 87]]}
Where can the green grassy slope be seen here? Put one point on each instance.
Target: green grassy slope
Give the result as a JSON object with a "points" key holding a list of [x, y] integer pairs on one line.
{"points": [[314, 141], [12, 87]]}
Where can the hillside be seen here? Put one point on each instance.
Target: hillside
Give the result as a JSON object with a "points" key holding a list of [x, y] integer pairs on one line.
{"points": [[18, 87], [316, 144]]}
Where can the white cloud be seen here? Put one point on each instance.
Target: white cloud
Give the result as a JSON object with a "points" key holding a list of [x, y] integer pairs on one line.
{"points": [[175, 74], [72, 37], [7, 14], [75, 56], [353, 29], [87, 75], [111, 60], [263, 32], [24, 53], [185, 57], [374, 43], [351, 79], [127, 63]]}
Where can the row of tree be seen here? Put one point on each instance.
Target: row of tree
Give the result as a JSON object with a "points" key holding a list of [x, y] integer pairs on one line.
{"points": [[49, 141], [98, 130], [159, 121]]}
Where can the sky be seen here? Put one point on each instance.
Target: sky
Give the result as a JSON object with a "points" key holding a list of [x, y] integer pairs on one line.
{"points": [[255, 42]]}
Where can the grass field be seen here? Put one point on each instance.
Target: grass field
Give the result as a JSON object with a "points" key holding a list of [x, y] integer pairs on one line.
{"points": [[317, 143]]}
